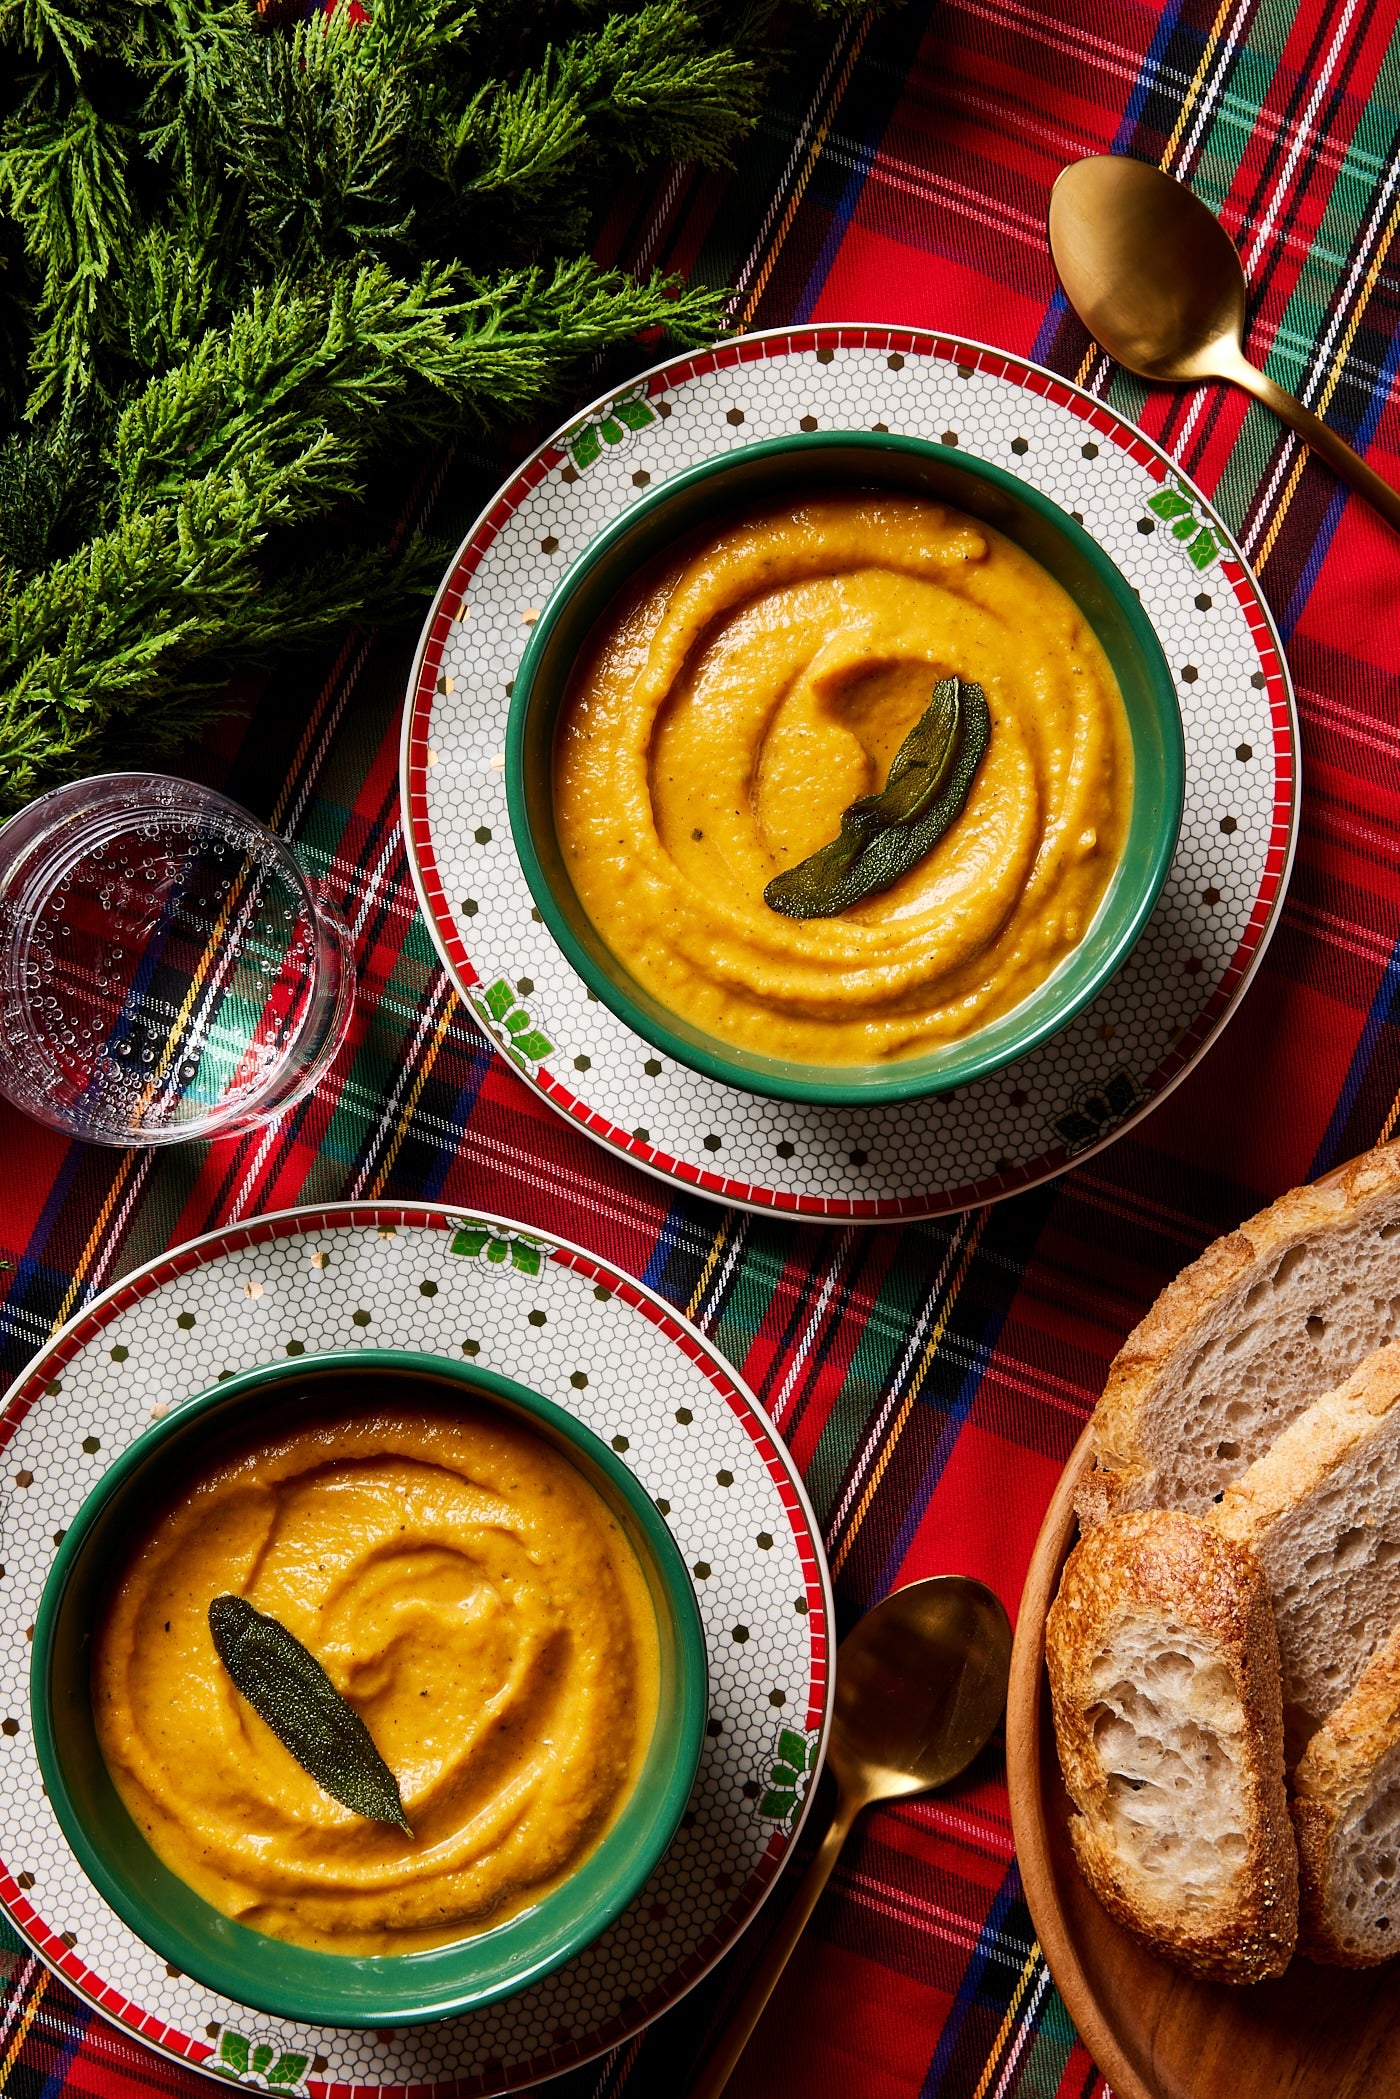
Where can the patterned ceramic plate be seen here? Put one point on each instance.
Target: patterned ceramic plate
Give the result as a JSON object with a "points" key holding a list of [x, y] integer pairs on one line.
{"points": [[1143, 1031], [549, 1315]]}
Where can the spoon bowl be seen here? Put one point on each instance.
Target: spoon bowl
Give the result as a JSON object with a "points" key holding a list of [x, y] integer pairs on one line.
{"points": [[1158, 283], [1150, 271], [920, 1685]]}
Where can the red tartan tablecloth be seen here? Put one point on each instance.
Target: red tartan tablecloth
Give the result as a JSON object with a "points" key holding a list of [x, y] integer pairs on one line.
{"points": [[900, 174]]}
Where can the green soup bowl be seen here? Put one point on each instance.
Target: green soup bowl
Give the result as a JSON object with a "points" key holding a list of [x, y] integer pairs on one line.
{"points": [[271, 1975], [789, 468]]}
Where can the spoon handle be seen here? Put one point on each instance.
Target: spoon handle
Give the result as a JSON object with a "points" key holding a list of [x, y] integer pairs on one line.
{"points": [[746, 2014], [1347, 465]]}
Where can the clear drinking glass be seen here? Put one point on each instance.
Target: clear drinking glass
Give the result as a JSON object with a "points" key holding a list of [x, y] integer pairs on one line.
{"points": [[167, 970]]}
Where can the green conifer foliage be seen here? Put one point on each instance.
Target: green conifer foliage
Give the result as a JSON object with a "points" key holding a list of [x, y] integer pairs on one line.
{"points": [[241, 255]]}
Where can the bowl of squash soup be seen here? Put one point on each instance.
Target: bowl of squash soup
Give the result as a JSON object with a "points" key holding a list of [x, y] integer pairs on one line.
{"points": [[368, 1688], [844, 768]]}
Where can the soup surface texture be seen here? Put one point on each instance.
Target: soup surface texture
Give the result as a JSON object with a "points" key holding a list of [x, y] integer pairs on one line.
{"points": [[741, 697], [471, 1596]]}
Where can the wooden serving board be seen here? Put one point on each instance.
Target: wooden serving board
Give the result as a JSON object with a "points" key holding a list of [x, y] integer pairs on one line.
{"points": [[1315, 2033]]}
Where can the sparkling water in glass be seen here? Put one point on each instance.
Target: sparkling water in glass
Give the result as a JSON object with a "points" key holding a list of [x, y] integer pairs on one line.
{"points": [[167, 970]]}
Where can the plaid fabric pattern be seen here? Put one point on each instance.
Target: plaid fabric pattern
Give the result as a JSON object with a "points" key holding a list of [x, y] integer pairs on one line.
{"points": [[931, 1380]]}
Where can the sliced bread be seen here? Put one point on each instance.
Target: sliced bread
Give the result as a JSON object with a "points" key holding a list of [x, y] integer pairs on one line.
{"points": [[1346, 1816], [1321, 1509], [1165, 1691], [1267, 1320]]}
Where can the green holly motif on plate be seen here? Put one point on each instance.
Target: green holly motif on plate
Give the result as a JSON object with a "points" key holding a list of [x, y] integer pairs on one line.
{"points": [[498, 1003], [627, 413], [257, 2062], [1177, 509], [474, 1240], [787, 1777], [1097, 1107]]}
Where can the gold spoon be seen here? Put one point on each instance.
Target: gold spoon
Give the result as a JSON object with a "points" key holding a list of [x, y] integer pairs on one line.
{"points": [[920, 1684], [1157, 281]]}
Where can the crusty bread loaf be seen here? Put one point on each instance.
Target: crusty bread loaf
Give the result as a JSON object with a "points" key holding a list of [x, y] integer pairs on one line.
{"points": [[1321, 1509], [1165, 1690], [1346, 1816], [1267, 1320]]}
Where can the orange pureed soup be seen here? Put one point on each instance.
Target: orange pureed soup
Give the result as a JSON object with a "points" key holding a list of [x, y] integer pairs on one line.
{"points": [[745, 692], [474, 1600]]}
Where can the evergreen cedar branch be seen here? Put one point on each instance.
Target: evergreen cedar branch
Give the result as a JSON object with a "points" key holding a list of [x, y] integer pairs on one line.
{"points": [[238, 258]]}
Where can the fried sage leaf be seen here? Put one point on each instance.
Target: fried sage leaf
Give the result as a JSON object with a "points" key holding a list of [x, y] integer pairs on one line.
{"points": [[884, 835], [287, 1687]]}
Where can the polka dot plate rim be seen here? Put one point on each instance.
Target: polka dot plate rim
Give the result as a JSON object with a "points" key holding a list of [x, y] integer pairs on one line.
{"points": [[481, 1286], [1135, 1041]]}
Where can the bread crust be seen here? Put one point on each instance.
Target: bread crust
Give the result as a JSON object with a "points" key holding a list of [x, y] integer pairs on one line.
{"points": [[1172, 1563], [1332, 1780], [1123, 1475]]}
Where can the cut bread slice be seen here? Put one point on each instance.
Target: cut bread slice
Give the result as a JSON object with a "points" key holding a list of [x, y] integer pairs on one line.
{"points": [[1346, 1816], [1165, 1691], [1321, 1509], [1267, 1320]]}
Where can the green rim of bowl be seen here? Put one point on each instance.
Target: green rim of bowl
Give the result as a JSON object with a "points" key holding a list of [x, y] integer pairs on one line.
{"points": [[272, 1975], [702, 494]]}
